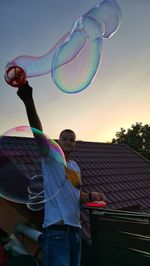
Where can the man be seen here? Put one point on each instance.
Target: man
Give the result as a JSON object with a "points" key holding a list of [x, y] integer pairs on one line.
{"points": [[61, 240]]}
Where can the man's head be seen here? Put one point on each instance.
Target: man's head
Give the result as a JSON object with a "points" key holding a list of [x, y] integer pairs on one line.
{"points": [[67, 140]]}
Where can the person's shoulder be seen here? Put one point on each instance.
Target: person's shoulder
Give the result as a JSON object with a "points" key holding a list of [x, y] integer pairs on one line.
{"points": [[72, 162], [74, 165]]}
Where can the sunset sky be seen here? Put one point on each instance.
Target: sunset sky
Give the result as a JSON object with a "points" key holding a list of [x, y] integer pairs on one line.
{"points": [[119, 95]]}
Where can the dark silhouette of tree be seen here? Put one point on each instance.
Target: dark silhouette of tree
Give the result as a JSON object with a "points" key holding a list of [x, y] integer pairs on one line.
{"points": [[137, 137]]}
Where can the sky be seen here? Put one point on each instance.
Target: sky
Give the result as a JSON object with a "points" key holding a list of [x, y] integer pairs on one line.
{"points": [[118, 96]]}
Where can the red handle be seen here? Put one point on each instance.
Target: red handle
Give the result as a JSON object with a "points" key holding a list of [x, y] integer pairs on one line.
{"points": [[96, 204]]}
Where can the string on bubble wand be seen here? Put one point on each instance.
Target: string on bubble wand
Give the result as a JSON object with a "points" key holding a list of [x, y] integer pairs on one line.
{"points": [[74, 60]]}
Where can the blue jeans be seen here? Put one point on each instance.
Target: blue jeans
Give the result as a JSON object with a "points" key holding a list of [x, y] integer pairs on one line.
{"points": [[61, 248]]}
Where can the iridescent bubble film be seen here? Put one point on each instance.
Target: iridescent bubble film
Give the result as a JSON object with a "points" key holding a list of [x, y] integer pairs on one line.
{"points": [[74, 60], [21, 178]]}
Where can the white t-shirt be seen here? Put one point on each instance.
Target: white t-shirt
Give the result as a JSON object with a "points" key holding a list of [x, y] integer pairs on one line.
{"points": [[62, 199]]}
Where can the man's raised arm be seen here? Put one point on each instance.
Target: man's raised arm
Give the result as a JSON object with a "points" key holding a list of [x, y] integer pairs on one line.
{"points": [[25, 94]]}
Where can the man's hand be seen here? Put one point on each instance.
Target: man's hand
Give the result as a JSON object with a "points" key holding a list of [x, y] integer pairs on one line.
{"points": [[91, 196], [25, 92], [97, 196]]}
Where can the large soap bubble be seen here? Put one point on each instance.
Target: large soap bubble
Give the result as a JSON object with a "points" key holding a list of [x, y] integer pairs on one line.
{"points": [[21, 178], [74, 60]]}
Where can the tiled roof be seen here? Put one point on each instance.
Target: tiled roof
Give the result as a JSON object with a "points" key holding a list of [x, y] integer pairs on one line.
{"points": [[118, 171], [115, 169]]}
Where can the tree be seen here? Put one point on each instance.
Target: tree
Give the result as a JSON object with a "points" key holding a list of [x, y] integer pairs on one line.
{"points": [[137, 137]]}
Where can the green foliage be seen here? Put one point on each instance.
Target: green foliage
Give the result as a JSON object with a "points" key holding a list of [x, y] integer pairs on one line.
{"points": [[137, 137]]}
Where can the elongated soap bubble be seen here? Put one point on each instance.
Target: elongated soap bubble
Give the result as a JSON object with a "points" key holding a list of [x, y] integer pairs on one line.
{"points": [[76, 75], [21, 180], [109, 13], [74, 60]]}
